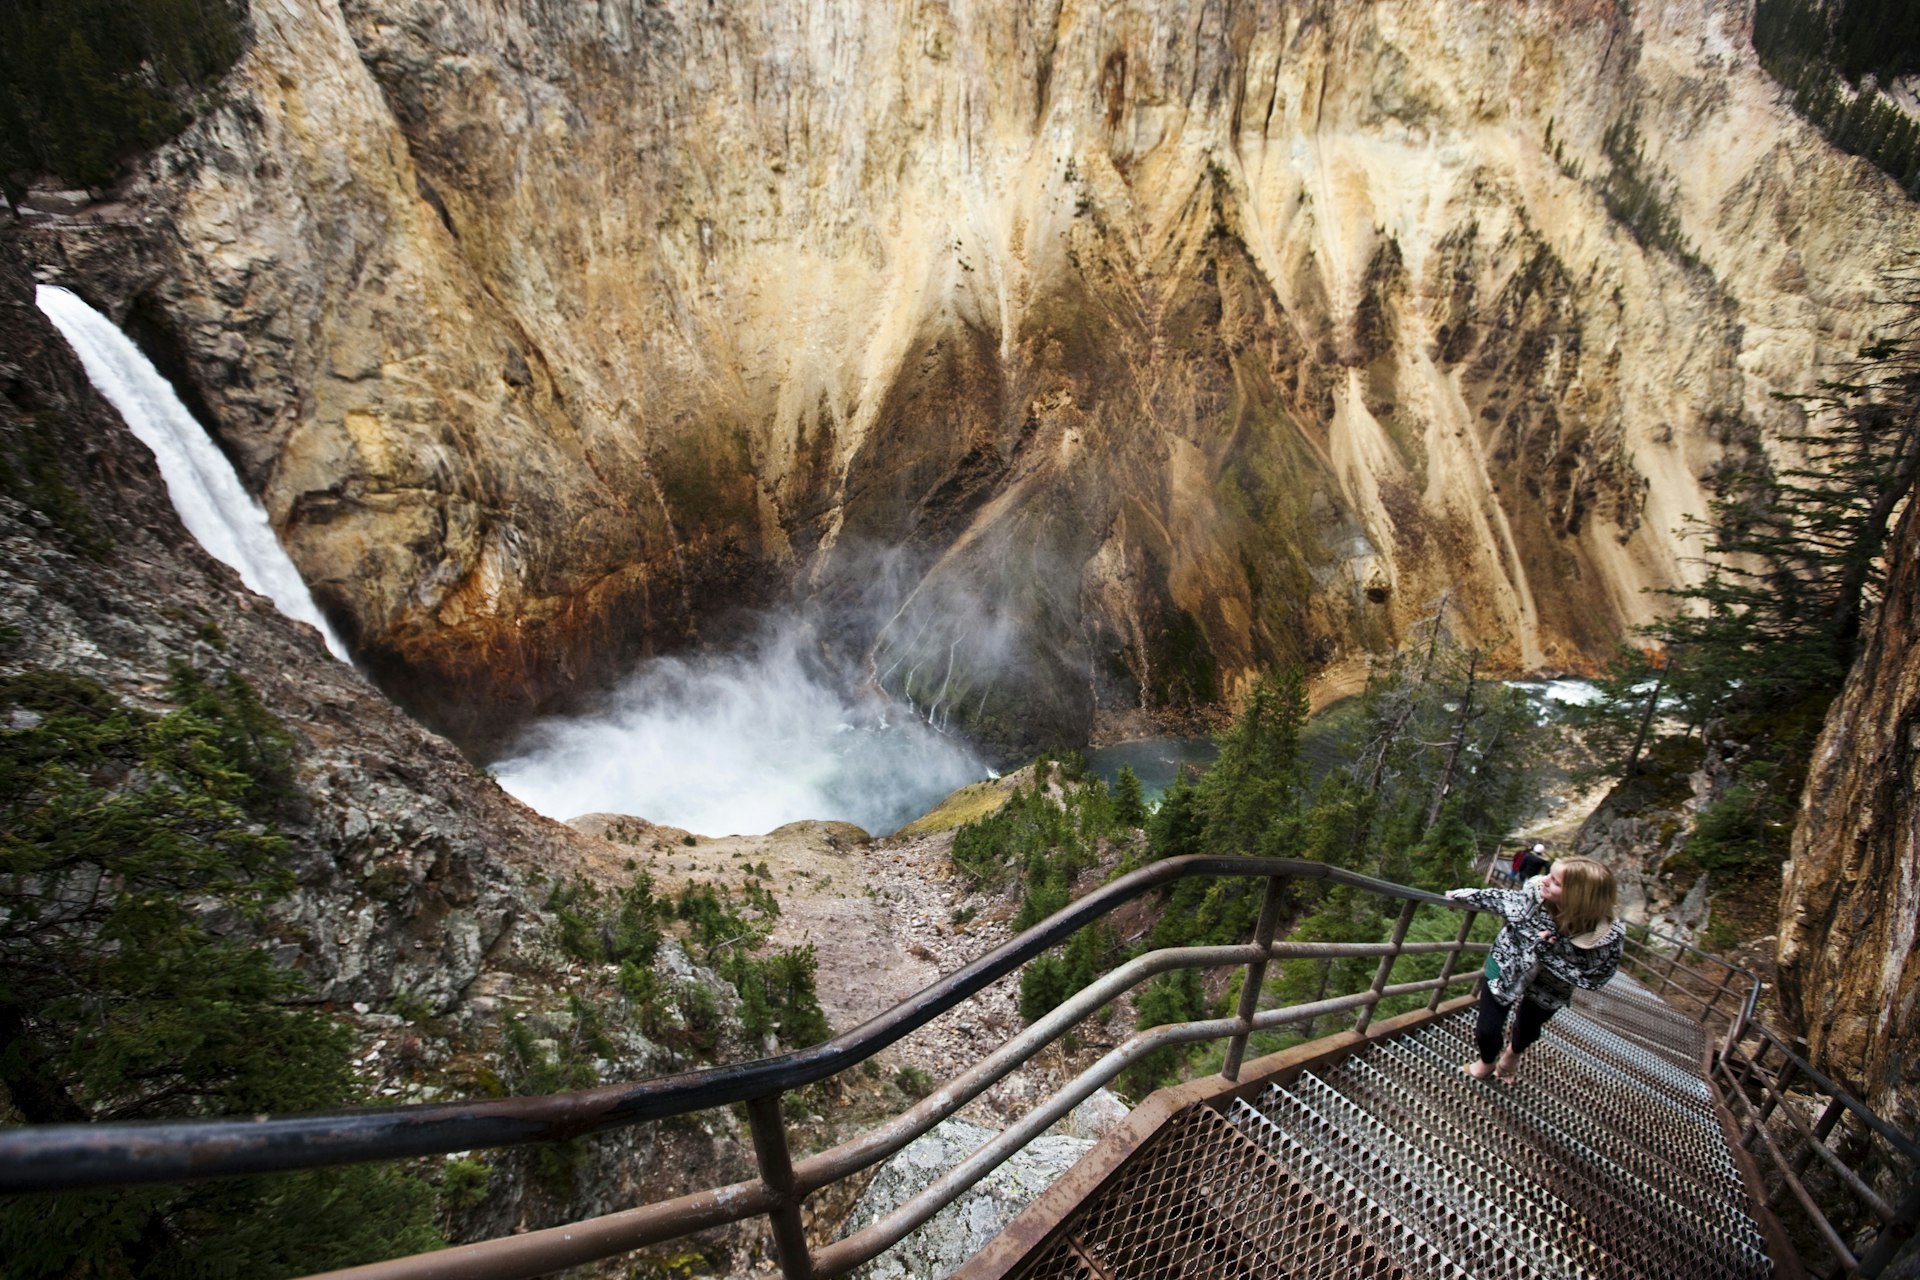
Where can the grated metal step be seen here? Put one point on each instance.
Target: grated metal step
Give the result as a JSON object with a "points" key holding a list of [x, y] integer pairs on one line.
{"points": [[1606, 1161], [1204, 1202]]}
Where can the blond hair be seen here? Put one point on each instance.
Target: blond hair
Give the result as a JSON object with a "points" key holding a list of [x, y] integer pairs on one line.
{"points": [[1588, 896]]}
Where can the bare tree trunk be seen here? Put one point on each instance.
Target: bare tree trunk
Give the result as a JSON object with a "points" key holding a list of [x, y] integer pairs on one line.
{"points": [[1458, 744], [1646, 720], [1381, 748]]}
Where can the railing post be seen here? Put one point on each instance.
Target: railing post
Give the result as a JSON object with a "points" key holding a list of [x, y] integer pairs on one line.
{"points": [[1750, 1063], [1736, 1031], [1718, 991], [1892, 1235], [1256, 975], [1821, 1130], [1666, 979], [1446, 970], [1386, 965], [776, 1171], [1776, 1089]]}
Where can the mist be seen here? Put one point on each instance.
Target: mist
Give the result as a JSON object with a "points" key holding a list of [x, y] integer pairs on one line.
{"points": [[741, 743]]}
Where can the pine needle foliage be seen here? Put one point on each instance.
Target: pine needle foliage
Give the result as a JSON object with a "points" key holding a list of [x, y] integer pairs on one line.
{"points": [[136, 852], [85, 83], [1410, 783], [721, 927], [1832, 57], [1799, 534]]}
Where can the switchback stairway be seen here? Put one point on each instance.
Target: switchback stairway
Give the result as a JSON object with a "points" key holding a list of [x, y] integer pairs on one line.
{"points": [[1608, 1160]]}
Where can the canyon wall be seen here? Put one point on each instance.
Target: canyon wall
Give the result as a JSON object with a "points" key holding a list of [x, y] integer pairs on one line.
{"points": [[1082, 357], [1850, 898], [418, 905]]}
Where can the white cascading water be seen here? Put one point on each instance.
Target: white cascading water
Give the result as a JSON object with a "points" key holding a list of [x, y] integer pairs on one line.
{"points": [[213, 504], [740, 742]]}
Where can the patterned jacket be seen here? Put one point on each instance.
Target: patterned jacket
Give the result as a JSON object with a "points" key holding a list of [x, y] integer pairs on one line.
{"points": [[1546, 973]]}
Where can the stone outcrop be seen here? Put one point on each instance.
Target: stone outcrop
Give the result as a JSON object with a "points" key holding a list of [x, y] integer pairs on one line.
{"points": [[1084, 356], [1849, 972], [964, 1227]]}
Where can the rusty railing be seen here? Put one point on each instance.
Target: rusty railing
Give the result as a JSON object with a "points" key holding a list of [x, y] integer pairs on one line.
{"points": [[57, 1157], [1863, 1207]]}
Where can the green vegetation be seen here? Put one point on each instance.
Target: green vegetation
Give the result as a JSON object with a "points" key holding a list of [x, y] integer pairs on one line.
{"points": [[85, 83], [1044, 837], [1639, 197], [913, 1082], [1834, 58], [968, 804], [136, 850], [1363, 788], [32, 472], [1129, 803], [719, 927]]}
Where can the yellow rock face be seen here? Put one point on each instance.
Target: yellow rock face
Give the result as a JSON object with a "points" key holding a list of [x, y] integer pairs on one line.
{"points": [[1849, 970], [1088, 356]]}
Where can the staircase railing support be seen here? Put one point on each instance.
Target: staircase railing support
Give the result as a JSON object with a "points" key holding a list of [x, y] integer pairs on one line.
{"points": [[1386, 965], [55, 1157], [1256, 976], [1446, 969], [776, 1173]]}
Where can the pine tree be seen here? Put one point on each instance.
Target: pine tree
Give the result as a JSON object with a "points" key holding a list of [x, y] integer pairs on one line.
{"points": [[122, 836], [1129, 808], [1798, 550]]}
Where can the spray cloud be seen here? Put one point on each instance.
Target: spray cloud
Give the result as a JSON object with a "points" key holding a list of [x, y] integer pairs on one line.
{"points": [[742, 742]]}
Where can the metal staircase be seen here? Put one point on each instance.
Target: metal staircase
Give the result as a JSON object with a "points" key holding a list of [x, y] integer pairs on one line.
{"points": [[1362, 1153], [1608, 1160]]}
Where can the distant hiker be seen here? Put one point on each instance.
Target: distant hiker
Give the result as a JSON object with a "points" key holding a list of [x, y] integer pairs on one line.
{"points": [[1528, 863], [1560, 934]]}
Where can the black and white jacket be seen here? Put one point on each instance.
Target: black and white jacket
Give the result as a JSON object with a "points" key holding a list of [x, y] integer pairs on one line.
{"points": [[1545, 972]]}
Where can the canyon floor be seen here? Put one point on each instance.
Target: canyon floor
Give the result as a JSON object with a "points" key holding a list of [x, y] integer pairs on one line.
{"points": [[886, 916]]}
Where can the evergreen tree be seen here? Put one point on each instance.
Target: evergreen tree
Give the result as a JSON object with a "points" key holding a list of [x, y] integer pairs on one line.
{"points": [[84, 83], [1170, 998], [1176, 828], [1252, 794], [1798, 549], [1129, 807], [1754, 655], [124, 837]]}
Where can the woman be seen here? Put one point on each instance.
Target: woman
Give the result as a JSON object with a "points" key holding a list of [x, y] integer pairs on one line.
{"points": [[1560, 934]]}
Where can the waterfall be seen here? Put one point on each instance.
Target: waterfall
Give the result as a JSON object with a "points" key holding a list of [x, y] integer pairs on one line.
{"points": [[213, 504]]}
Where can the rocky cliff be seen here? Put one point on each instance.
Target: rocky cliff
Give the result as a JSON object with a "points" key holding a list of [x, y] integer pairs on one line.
{"points": [[1085, 356], [1849, 903], [418, 911]]}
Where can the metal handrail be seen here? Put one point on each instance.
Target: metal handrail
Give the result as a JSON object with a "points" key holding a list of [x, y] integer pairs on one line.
{"points": [[57, 1157], [1734, 1071]]}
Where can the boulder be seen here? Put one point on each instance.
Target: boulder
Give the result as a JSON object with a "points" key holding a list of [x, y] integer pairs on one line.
{"points": [[964, 1227]]}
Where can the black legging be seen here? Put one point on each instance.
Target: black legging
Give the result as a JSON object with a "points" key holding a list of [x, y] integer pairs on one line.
{"points": [[1492, 1022]]}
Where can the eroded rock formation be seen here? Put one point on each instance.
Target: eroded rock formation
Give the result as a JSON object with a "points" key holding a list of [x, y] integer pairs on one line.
{"points": [[1850, 901], [1087, 356]]}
